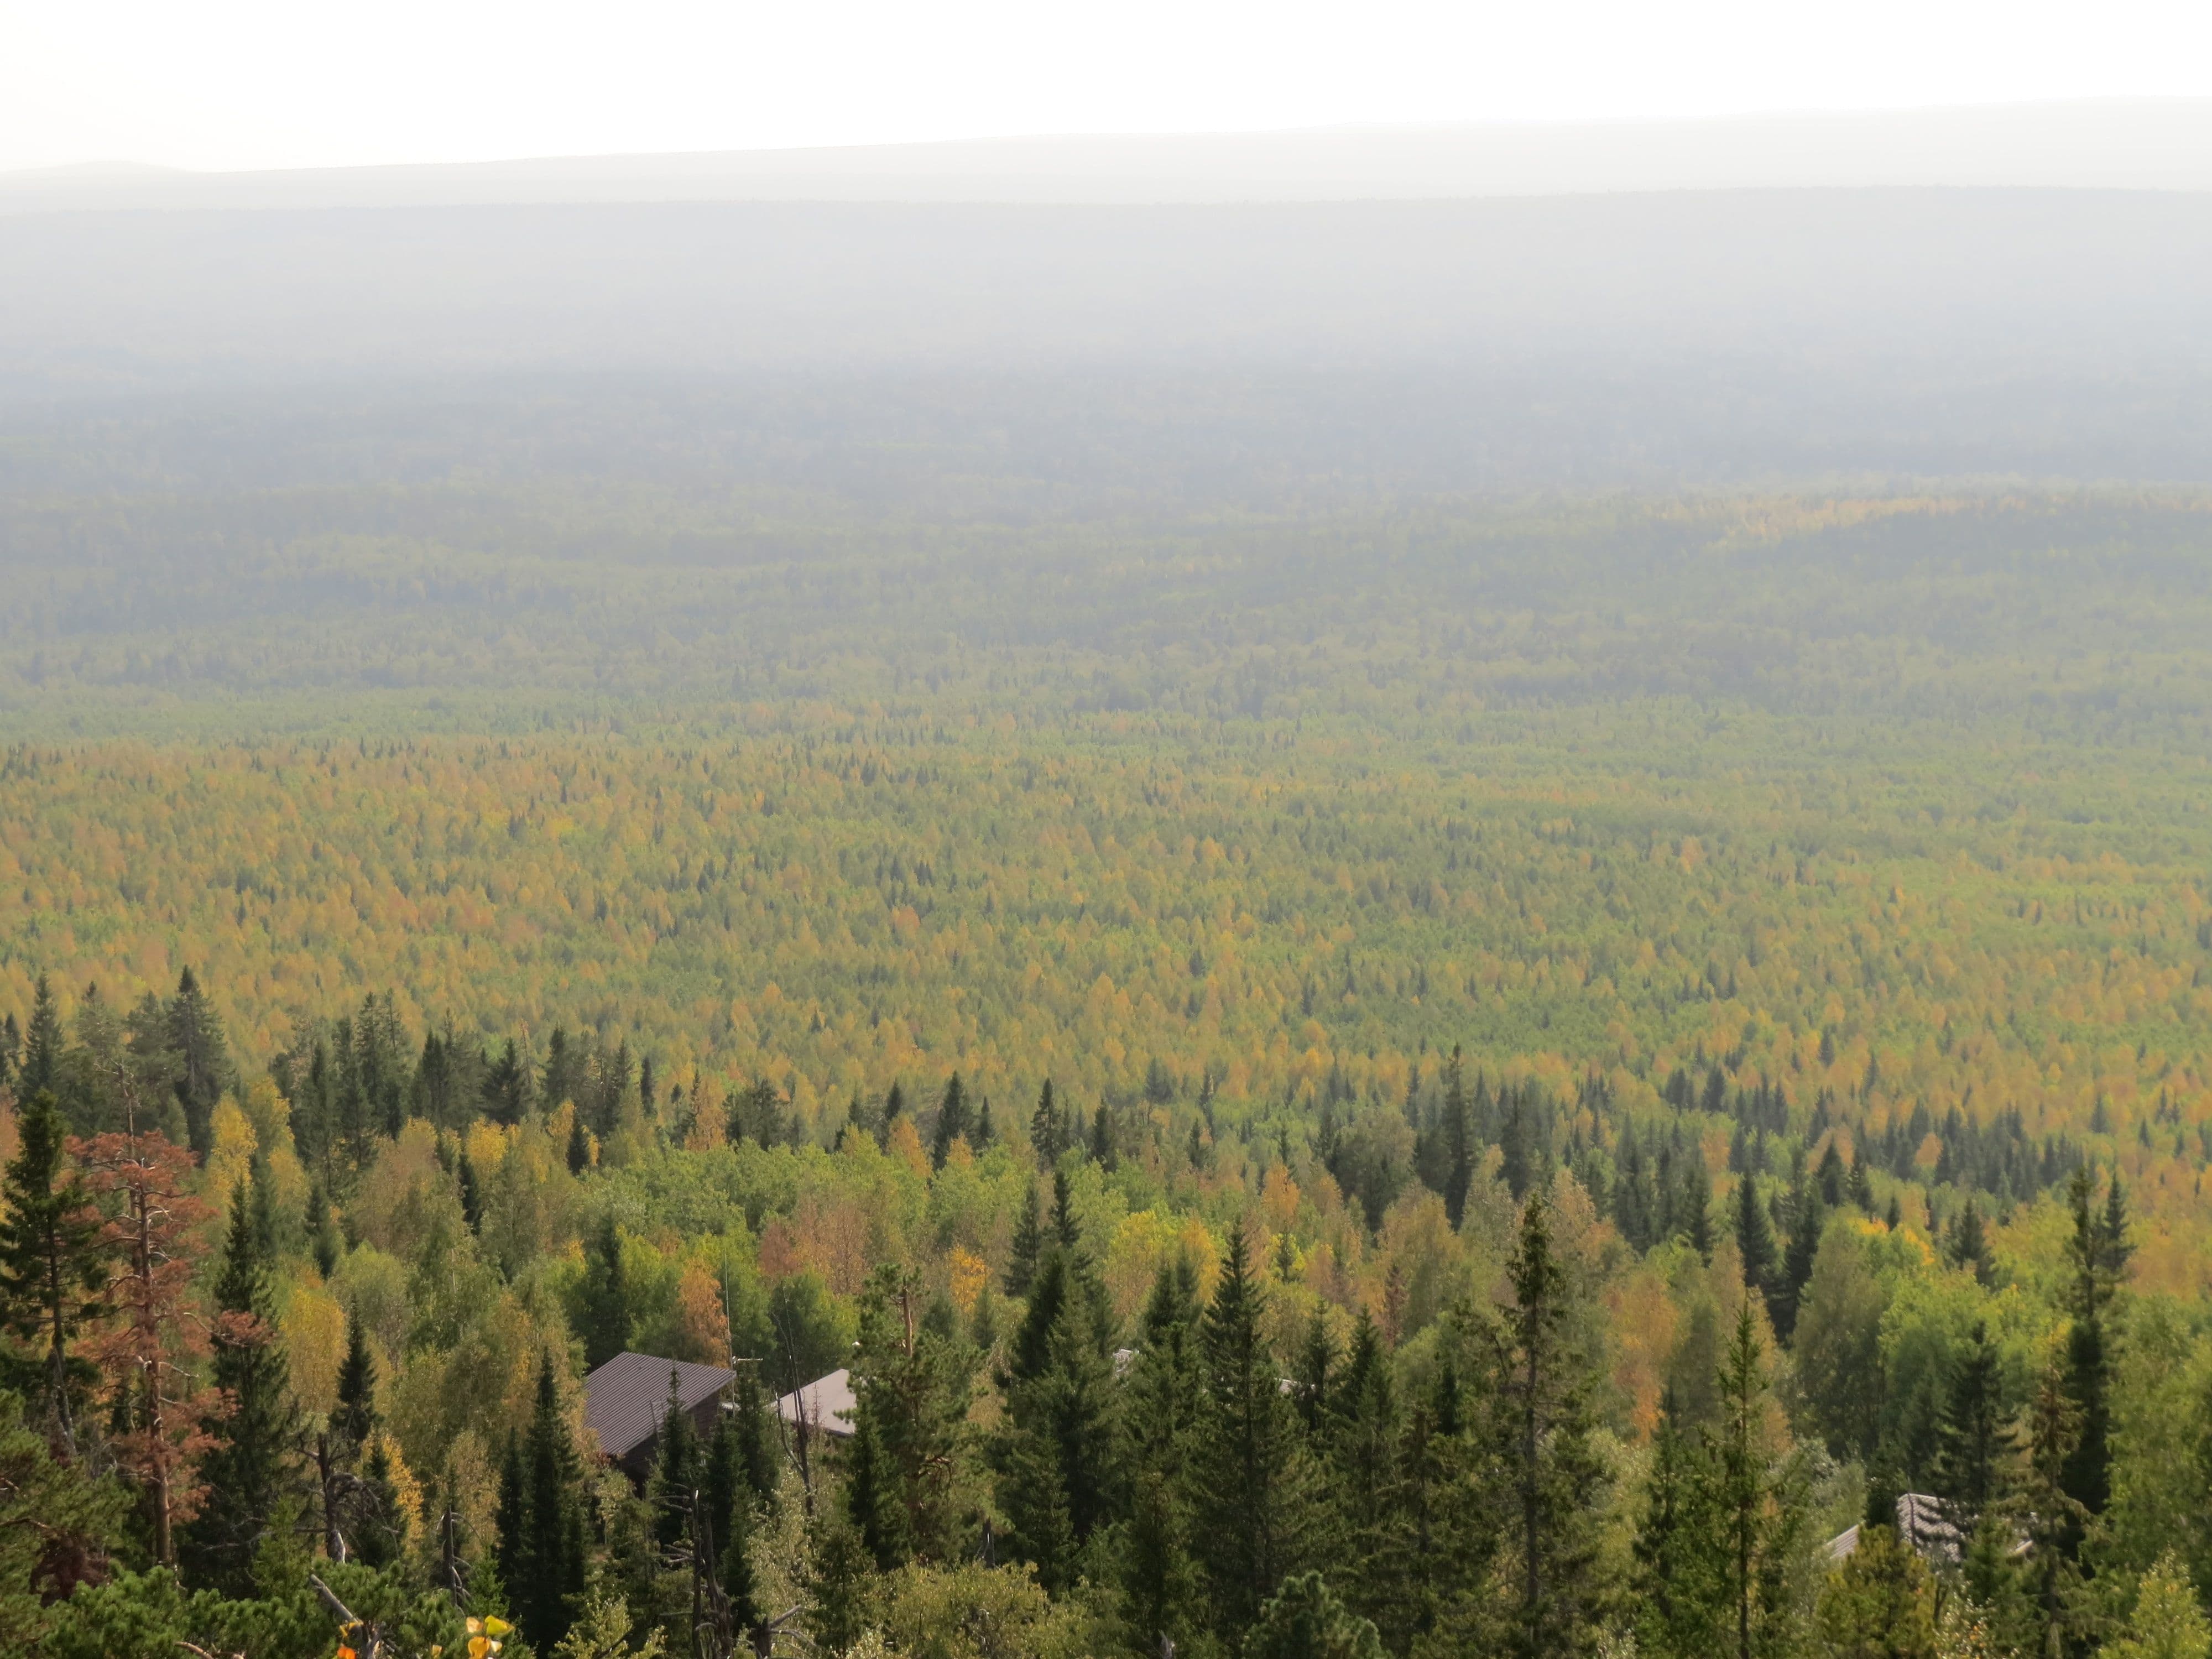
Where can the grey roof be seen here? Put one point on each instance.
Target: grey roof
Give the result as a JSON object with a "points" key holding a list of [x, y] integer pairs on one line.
{"points": [[624, 1398], [1920, 1523], [827, 1403]]}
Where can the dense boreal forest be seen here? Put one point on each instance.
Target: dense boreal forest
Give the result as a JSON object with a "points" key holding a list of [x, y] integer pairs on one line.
{"points": [[1350, 1069]]}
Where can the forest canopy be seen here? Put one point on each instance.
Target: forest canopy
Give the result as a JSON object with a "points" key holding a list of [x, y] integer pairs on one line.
{"points": [[1345, 1067]]}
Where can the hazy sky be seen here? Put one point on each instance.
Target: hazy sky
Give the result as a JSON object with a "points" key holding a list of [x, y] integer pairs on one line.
{"points": [[259, 83]]}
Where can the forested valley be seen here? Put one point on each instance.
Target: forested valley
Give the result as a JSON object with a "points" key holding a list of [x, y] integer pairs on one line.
{"points": [[1352, 1007]]}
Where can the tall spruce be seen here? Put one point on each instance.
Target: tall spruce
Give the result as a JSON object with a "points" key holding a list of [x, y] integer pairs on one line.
{"points": [[676, 1480], [603, 1313], [1459, 1141], [1246, 1470], [953, 1122], [1155, 1568], [52, 1260], [202, 1068], [542, 1543], [1806, 1218], [1680, 1576], [39, 1071], [252, 1471], [1556, 1483], [1754, 1242], [1047, 1137], [2097, 1252], [1974, 1442], [1056, 1476], [1756, 1501], [1027, 1247], [912, 1384]]}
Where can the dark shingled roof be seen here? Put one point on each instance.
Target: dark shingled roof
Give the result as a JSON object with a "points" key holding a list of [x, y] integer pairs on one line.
{"points": [[624, 1398]]}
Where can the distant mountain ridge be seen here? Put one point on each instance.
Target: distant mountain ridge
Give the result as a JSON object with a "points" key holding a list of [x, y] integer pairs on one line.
{"points": [[2162, 144]]}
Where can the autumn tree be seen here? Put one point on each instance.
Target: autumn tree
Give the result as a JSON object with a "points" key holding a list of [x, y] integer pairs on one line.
{"points": [[149, 1351]]}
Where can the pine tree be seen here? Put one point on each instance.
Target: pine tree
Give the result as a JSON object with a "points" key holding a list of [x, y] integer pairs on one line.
{"points": [[604, 1312], [1246, 1469], [952, 1122], [251, 1470], [52, 1259], [541, 1553], [579, 1146]]}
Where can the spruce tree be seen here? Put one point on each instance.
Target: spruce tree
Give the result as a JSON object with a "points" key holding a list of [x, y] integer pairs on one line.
{"points": [[1246, 1469], [1362, 1437], [675, 1483], [354, 1418], [41, 1069], [541, 1521], [1968, 1245], [1754, 1241], [251, 1470], [52, 1259], [1104, 1152], [912, 1385], [1459, 1142], [1806, 1219], [1974, 1442], [1056, 1456], [2097, 1253], [1556, 1482], [1028, 1245], [378, 1538], [1046, 1136], [753, 1439], [604, 1312], [1680, 1576], [203, 1069], [1304, 1619], [1155, 1568], [952, 1122], [1757, 1504]]}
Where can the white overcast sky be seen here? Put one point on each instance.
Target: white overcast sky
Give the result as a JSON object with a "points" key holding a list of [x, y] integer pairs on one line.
{"points": [[265, 83]]}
